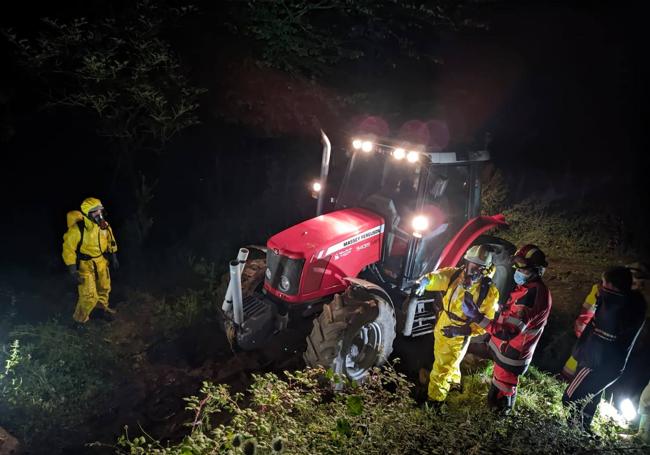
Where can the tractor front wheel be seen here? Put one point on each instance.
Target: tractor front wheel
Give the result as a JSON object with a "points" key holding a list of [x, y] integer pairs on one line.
{"points": [[354, 333]]}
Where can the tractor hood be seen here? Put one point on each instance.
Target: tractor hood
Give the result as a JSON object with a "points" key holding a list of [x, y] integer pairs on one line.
{"points": [[326, 234]]}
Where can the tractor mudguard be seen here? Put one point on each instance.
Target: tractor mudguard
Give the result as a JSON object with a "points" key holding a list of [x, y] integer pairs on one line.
{"points": [[464, 238], [370, 287]]}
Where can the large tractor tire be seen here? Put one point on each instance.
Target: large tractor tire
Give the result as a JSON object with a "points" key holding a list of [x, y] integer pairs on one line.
{"points": [[354, 333]]}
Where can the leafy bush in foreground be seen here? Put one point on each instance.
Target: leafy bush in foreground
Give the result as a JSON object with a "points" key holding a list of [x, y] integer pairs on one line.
{"points": [[300, 414], [53, 380]]}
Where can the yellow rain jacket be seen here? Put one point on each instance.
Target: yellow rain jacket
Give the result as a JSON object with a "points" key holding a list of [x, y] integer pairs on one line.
{"points": [[94, 276], [449, 352]]}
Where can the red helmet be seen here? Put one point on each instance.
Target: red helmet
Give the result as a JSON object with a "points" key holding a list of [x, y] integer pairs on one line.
{"points": [[529, 256]]}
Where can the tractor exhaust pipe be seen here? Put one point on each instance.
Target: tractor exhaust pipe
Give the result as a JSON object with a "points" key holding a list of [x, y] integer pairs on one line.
{"points": [[324, 170], [236, 297], [411, 306], [233, 301]]}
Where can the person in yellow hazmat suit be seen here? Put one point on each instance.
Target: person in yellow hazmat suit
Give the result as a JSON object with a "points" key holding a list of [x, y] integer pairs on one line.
{"points": [[471, 281], [88, 246]]}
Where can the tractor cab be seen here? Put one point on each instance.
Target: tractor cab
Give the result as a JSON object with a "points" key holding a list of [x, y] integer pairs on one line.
{"points": [[424, 198]]}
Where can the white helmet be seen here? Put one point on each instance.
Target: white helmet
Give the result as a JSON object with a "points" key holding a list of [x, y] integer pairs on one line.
{"points": [[480, 255]]}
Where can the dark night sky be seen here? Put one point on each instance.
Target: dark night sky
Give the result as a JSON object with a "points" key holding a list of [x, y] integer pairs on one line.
{"points": [[560, 88]]}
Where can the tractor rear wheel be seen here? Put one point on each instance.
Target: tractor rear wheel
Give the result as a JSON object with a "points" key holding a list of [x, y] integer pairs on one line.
{"points": [[354, 333]]}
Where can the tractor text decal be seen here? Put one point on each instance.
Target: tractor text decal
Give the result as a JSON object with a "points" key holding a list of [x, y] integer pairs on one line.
{"points": [[352, 240]]}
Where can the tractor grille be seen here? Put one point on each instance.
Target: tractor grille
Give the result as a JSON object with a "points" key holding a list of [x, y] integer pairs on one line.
{"points": [[277, 266]]}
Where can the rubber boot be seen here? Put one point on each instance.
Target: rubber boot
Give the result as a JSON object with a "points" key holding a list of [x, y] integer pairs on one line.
{"points": [[500, 403]]}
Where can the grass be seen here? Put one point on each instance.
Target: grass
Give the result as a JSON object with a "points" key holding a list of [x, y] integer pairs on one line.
{"points": [[567, 232]]}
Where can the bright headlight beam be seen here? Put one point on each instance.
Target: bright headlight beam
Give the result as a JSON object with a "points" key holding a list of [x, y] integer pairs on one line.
{"points": [[412, 156], [316, 186], [399, 153], [420, 223], [627, 410], [366, 146], [357, 143]]}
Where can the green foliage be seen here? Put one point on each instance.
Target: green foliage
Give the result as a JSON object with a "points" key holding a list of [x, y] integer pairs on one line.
{"points": [[494, 191], [302, 36], [300, 414], [125, 72], [577, 232], [120, 68], [54, 380], [174, 314]]}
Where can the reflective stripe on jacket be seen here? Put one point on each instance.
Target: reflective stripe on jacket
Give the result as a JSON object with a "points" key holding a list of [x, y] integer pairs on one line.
{"points": [[587, 312], [517, 330]]}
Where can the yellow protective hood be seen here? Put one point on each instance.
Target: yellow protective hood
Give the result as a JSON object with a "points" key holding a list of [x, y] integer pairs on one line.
{"points": [[73, 217], [89, 204]]}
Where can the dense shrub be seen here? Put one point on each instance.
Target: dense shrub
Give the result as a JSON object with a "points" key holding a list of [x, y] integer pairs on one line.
{"points": [[53, 380], [300, 414]]}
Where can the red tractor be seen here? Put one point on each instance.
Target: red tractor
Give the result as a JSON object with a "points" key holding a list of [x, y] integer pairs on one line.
{"points": [[401, 211]]}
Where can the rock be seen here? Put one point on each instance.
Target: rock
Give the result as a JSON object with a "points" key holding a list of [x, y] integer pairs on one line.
{"points": [[8, 444]]}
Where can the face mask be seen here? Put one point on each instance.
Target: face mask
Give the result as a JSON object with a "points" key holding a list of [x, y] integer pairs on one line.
{"points": [[472, 277], [98, 218], [520, 278]]}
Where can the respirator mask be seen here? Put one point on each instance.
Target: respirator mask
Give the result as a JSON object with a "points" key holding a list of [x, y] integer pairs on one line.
{"points": [[98, 217]]}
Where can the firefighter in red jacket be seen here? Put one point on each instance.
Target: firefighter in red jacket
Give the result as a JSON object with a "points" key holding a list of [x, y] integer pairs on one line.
{"points": [[517, 329]]}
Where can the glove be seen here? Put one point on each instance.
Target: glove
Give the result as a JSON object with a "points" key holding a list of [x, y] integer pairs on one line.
{"points": [[451, 331], [422, 284], [115, 264], [470, 309], [74, 275]]}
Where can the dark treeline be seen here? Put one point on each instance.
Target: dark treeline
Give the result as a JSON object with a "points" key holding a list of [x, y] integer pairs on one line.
{"points": [[556, 88]]}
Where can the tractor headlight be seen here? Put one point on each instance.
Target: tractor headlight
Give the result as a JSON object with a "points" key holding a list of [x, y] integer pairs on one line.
{"points": [[316, 186], [399, 154], [420, 223], [357, 143], [285, 284], [412, 156], [367, 146], [627, 410]]}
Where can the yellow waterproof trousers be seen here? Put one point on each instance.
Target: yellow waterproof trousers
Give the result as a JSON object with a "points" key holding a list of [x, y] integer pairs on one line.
{"points": [[448, 354], [94, 287]]}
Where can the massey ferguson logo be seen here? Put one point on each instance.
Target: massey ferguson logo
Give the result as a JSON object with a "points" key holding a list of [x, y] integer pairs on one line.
{"points": [[363, 236], [351, 241]]}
